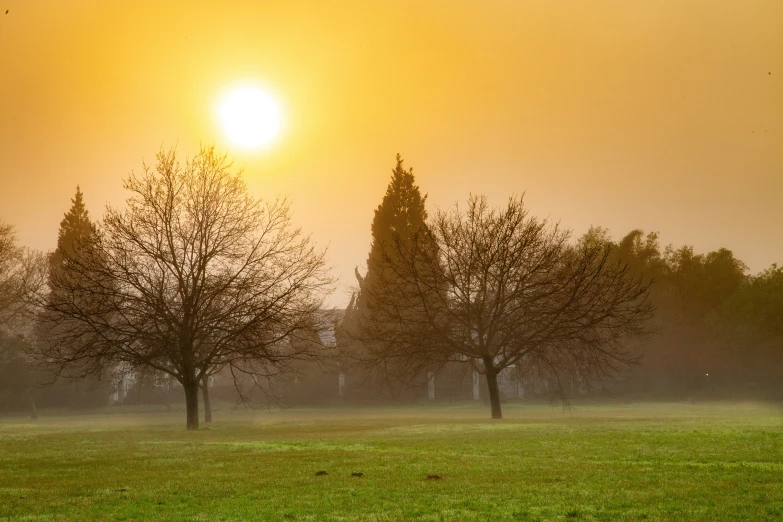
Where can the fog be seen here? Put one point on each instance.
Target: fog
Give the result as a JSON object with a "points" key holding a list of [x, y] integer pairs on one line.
{"points": [[391, 260]]}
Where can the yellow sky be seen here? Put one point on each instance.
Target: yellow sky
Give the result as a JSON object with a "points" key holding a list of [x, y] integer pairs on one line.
{"points": [[664, 116]]}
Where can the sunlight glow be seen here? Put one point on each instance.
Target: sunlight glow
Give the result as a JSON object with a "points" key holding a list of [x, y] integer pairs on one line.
{"points": [[250, 117]]}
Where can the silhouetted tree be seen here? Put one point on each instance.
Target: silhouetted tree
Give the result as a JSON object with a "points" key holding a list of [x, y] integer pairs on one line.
{"points": [[17, 377], [752, 318], [11, 274], [21, 275], [496, 288], [191, 275], [77, 231], [692, 348], [760, 301], [399, 218]]}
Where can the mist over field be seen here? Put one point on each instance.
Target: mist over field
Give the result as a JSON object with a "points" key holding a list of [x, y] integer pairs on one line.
{"points": [[391, 261], [638, 461]]}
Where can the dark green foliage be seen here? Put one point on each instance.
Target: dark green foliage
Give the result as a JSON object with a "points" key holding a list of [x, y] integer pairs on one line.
{"points": [[17, 379], [752, 323], [759, 303], [400, 217], [715, 326], [76, 232]]}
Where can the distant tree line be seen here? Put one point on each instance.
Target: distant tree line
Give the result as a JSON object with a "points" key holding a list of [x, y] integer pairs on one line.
{"points": [[717, 330], [495, 288], [193, 278]]}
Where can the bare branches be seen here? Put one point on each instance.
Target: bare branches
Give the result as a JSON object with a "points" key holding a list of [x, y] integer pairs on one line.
{"points": [[193, 275], [496, 288], [22, 274]]}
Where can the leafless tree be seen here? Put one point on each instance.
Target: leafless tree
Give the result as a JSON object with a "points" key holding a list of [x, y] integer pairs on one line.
{"points": [[497, 288], [193, 274], [22, 273]]}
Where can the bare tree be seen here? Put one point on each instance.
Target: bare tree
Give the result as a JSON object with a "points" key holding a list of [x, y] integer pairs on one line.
{"points": [[192, 275], [497, 288], [22, 273]]}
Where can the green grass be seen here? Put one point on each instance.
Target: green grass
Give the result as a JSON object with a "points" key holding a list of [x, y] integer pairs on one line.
{"points": [[712, 461]]}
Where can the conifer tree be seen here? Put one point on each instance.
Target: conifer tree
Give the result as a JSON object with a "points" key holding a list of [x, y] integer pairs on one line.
{"points": [[399, 221], [400, 216], [76, 232]]}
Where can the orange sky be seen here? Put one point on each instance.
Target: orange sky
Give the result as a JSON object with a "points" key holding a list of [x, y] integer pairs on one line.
{"points": [[664, 116]]}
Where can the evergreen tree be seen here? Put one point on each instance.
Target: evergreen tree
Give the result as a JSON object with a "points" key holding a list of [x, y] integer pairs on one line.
{"points": [[75, 246], [399, 220], [76, 233], [400, 216]]}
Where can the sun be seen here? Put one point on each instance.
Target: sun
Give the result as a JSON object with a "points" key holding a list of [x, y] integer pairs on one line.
{"points": [[250, 117]]}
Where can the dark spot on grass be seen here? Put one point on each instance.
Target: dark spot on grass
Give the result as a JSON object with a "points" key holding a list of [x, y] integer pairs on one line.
{"points": [[320, 473], [357, 474], [288, 516], [433, 477], [572, 513], [121, 490]]}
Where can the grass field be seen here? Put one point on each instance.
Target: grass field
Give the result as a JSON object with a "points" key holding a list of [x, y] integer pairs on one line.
{"points": [[646, 461]]}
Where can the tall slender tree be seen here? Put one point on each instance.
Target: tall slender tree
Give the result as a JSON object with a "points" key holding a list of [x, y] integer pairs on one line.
{"points": [[76, 232], [76, 236], [399, 218]]}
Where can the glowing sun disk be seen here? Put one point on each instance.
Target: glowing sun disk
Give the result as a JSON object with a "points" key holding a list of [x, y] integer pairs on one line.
{"points": [[250, 117]]}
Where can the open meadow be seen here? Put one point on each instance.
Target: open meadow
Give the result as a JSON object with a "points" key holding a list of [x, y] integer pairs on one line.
{"points": [[641, 461]]}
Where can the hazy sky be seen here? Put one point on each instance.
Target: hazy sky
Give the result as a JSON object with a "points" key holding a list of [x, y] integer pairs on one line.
{"points": [[663, 116]]}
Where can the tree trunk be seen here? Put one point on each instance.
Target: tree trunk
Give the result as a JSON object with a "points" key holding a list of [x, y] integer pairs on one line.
{"points": [[492, 384], [207, 404], [167, 393], [191, 403], [72, 396], [33, 409]]}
